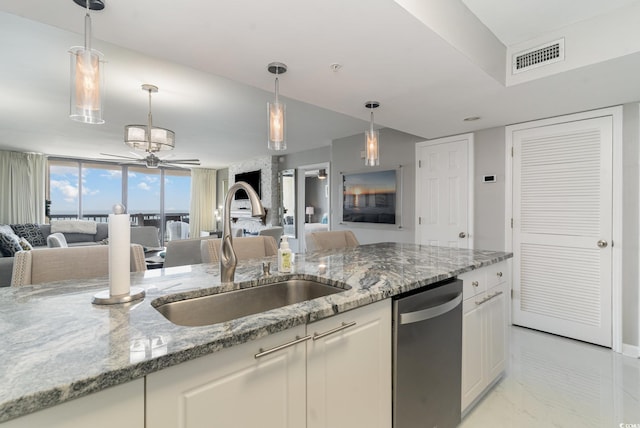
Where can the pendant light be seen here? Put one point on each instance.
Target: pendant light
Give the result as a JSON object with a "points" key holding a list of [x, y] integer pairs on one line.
{"points": [[87, 74], [276, 113], [372, 139], [147, 137], [322, 174]]}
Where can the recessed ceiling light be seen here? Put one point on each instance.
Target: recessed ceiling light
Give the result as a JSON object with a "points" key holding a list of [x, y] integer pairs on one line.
{"points": [[471, 118], [335, 67]]}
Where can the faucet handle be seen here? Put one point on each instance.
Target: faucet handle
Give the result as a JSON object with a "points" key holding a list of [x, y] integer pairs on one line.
{"points": [[266, 268]]}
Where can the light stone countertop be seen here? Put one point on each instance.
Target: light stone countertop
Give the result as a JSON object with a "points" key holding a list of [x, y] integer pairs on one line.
{"points": [[57, 346]]}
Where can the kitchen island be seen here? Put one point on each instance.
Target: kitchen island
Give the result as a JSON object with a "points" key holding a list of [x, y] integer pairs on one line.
{"points": [[57, 346]]}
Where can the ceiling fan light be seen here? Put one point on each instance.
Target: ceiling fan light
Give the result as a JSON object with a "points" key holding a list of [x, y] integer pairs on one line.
{"points": [[147, 137]]}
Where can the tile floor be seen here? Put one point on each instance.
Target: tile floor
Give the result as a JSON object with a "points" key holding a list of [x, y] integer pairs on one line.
{"points": [[557, 382]]}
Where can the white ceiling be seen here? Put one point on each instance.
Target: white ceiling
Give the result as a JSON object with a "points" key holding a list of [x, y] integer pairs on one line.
{"points": [[209, 60]]}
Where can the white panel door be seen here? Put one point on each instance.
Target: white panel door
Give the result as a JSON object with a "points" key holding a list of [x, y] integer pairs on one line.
{"points": [[442, 192], [562, 204]]}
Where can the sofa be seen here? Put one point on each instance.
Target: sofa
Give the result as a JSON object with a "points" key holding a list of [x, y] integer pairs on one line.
{"points": [[73, 240]]}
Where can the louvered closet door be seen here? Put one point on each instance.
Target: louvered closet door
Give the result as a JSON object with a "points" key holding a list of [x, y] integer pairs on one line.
{"points": [[562, 229]]}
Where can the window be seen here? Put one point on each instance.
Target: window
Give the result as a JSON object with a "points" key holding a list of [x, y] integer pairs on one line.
{"points": [[89, 189]]}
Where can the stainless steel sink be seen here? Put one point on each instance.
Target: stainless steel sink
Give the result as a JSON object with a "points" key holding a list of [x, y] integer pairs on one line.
{"points": [[230, 305]]}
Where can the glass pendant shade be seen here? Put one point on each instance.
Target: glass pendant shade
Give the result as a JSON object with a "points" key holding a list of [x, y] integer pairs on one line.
{"points": [[87, 81], [372, 139], [277, 138], [372, 156], [136, 137]]}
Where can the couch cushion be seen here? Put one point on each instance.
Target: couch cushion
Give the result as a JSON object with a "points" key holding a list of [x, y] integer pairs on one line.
{"points": [[9, 244], [56, 240], [31, 232]]}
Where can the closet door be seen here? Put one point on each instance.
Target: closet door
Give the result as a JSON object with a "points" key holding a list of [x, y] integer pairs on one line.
{"points": [[443, 168], [562, 229]]}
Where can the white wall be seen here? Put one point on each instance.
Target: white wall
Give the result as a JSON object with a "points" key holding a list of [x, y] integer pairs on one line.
{"points": [[630, 218], [489, 199]]}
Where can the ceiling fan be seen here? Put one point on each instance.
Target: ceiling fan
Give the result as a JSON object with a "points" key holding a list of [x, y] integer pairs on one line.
{"points": [[153, 161]]}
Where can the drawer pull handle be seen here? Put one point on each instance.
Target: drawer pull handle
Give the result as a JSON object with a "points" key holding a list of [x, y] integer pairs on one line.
{"points": [[344, 326], [489, 297], [475, 283], [499, 274], [298, 339]]}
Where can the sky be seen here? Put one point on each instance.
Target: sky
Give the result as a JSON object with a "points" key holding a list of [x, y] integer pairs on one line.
{"points": [[102, 188]]}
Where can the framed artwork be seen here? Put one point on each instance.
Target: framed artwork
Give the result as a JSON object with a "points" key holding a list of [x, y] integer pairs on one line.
{"points": [[371, 197]]}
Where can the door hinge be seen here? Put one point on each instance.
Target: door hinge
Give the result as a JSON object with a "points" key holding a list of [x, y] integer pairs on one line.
{"points": [[511, 151], [419, 164], [511, 223], [419, 220], [512, 293], [612, 243]]}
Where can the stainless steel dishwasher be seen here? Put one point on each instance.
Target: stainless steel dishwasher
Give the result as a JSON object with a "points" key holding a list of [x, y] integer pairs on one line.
{"points": [[427, 357]]}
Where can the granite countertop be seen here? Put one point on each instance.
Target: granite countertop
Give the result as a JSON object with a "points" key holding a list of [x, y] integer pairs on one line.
{"points": [[57, 346]]}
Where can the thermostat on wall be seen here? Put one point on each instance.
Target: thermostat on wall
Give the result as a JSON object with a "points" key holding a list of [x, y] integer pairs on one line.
{"points": [[489, 178]]}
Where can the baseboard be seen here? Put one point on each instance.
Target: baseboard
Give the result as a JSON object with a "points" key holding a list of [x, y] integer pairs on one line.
{"points": [[631, 350]]}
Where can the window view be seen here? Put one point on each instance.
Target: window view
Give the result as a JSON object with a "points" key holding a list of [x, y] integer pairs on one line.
{"points": [[153, 197]]}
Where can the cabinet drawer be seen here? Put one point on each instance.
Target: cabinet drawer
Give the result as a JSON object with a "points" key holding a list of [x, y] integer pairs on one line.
{"points": [[473, 283], [496, 274]]}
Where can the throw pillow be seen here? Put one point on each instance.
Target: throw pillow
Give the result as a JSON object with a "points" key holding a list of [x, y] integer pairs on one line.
{"points": [[31, 232], [9, 244], [5, 228], [25, 245]]}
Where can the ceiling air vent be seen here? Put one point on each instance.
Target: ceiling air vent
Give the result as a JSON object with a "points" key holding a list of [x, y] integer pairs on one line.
{"points": [[538, 56]]}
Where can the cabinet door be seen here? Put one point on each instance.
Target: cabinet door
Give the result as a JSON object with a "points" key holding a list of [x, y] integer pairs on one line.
{"points": [[496, 332], [120, 406], [473, 359], [232, 388], [349, 370]]}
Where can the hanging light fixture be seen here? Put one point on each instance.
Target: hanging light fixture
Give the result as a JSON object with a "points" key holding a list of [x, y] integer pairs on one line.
{"points": [[147, 137], [87, 74], [372, 137], [276, 113], [322, 174]]}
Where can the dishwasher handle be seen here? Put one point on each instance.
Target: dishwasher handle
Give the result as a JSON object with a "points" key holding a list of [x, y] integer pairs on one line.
{"points": [[435, 311]]}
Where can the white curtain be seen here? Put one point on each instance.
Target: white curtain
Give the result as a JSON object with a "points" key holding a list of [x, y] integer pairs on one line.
{"points": [[203, 201], [22, 187]]}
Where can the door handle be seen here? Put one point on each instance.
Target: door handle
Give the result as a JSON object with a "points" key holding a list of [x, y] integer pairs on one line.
{"points": [[435, 311], [462, 235], [602, 243]]}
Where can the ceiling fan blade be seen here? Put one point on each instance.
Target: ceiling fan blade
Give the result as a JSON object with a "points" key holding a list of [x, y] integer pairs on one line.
{"points": [[181, 160], [119, 156]]}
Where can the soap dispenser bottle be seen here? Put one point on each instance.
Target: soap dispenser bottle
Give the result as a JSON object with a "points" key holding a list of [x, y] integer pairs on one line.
{"points": [[284, 256]]}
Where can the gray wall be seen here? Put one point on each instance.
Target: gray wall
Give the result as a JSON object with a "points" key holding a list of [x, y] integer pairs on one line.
{"points": [[309, 157], [396, 149], [630, 191], [489, 199], [315, 196]]}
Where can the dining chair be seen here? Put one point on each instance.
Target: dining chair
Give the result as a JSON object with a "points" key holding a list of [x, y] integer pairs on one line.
{"points": [[248, 247], [181, 252], [62, 263], [333, 239]]}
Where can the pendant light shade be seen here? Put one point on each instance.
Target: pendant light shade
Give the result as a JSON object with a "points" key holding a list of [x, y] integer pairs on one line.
{"points": [[276, 113], [147, 137], [372, 139], [87, 79], [322, 174]]}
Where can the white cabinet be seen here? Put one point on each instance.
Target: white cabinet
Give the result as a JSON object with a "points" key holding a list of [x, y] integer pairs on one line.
{"points": [[349, 369], [484, 346], [120, 406], [233, 388], [339, 379]]}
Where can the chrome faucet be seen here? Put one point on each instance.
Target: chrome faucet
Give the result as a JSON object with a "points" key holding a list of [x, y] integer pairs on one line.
{"points": [[228, 259]]}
